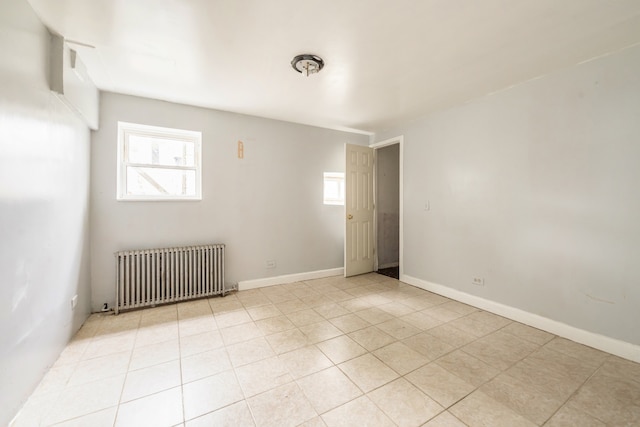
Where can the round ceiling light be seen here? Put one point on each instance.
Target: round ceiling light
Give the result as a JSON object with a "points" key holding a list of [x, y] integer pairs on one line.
{"points": [[307, 64]]}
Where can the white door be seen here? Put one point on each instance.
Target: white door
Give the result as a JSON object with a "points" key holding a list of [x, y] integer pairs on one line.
{"points": [[358, 237]]}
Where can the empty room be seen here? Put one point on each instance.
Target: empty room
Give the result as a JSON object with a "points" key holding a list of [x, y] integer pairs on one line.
{"points": [[320, 213]]}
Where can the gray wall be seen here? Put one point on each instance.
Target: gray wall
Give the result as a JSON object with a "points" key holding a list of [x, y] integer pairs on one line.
{"points": [[44, 182], [267, 206], [388, 205], [535, 189]]}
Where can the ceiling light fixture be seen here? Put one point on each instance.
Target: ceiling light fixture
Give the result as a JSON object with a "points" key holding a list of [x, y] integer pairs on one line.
{"points": [[307, 64]]}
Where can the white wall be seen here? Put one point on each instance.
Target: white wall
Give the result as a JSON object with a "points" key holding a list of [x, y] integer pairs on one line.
{"points": [[535, 188], [267, 206], [44, 182], [388, 204]]}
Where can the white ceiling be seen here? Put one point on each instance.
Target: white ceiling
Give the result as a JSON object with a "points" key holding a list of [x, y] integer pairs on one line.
{"points": [[386, 61]]}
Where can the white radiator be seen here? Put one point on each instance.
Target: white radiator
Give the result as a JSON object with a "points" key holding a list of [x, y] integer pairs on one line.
{"points": [[156, 276]]}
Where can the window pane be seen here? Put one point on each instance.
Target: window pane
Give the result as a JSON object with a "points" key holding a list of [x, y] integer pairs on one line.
{"points": [[334, 188], [159, 151], [158, 163], [331, 189], [160, 182]]}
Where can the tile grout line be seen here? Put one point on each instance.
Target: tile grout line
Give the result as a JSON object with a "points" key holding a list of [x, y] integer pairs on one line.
{"points": [[575, 392], [184, 413], [235, 375], [115, 419]]}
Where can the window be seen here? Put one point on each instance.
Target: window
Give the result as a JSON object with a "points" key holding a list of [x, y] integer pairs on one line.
{"points": [[158, 163], [334, 188]]}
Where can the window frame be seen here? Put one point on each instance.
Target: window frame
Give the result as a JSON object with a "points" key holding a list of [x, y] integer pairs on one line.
{"points": [[335, 176], [125, 130]]}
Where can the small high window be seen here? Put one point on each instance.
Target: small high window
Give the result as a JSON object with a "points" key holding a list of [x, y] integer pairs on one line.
{"points": [[334, 188], [157, 163]]}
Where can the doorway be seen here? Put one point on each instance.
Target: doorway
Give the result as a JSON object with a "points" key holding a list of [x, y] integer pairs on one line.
{"points": [[388, 207]]}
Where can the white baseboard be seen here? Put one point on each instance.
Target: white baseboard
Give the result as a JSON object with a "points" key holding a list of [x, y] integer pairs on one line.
{"points": [[610, 345], [288, 278], [388, 265]]}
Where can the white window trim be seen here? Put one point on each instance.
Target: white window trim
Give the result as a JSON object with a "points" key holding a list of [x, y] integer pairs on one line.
{"points": [[124, 129], [339, 176]]}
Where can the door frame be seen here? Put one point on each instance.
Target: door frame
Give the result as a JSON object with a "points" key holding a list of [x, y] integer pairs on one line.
{"points": [[387, 142]]}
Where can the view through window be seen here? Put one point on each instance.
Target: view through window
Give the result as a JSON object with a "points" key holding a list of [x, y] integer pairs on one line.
{"points": [[158, 163]]}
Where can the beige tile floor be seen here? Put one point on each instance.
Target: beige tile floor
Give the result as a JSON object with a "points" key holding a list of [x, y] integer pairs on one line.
{"points": [[364, 351]]}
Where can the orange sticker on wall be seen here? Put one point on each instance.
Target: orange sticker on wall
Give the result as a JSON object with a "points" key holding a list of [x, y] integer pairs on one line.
{"points": [[240, 150]]}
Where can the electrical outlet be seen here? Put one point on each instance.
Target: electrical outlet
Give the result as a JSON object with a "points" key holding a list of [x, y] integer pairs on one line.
{"points": [[270, 263], [478, 281], [74, 302]]}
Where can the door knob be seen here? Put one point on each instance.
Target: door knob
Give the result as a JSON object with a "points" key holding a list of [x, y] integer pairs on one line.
{"points": [[349, 216]]}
